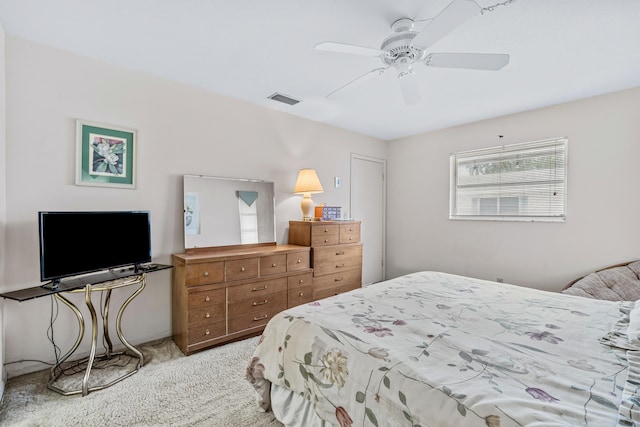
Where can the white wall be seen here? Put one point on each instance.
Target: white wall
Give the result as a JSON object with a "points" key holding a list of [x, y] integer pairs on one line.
{"points": [[3, 192], [602, 226], [181, 130]]}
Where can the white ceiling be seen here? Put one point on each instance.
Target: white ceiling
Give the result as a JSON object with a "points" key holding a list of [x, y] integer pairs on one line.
{"points": [[560, 50]]}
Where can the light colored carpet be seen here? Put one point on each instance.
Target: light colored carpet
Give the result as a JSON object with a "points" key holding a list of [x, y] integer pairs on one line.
{"points": [[204, 389]]}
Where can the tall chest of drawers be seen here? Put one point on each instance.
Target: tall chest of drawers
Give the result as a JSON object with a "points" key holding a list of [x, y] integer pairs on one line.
{"points": [[336, 254], [222, 294]]}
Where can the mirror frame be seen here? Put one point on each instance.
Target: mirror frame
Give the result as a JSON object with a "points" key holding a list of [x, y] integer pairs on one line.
{"points": [[210, 241]]}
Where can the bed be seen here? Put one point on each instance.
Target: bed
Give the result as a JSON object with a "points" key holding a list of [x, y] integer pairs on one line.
{"points": [[434, 349]]}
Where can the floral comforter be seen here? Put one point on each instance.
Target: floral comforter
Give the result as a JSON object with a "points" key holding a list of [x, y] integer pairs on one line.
{"points": [[433, 349]]}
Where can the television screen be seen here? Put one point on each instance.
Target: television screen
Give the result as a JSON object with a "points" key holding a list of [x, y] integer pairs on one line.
{"points": [[74, 243]]}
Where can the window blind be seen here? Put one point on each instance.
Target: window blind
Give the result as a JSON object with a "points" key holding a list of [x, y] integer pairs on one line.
{"points": [[525, 181]]}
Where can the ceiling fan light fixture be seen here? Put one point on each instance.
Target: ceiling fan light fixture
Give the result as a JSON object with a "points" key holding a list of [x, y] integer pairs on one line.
{"points": [[398, 46], [409, 85], [405, 71]]}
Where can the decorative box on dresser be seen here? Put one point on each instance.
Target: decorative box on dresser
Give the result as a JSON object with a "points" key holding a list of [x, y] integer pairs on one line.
{"points": [[336, 254], [222, 294]]}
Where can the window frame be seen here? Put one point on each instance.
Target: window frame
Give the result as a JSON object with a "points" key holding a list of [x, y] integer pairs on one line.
{"points": [[523, 147]]}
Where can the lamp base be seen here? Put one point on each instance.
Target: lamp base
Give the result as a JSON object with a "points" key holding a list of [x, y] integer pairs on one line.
{"points": [[307, 207]]}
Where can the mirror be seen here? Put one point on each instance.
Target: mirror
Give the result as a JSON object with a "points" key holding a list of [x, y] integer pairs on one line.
{"points": [[227, 211]]}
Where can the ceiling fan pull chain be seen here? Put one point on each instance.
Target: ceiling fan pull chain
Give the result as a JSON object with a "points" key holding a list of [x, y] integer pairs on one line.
{"points": [[492, 8]]}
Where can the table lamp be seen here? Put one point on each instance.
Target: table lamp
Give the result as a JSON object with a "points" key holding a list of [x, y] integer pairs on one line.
{"points": [[306, 184]]}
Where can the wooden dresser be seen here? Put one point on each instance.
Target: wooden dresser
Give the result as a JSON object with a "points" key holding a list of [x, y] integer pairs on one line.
{"points": [[336, 254], [222, 294]]}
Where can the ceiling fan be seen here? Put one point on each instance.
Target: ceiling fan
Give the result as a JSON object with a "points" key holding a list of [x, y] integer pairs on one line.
{"points": [[405, 48]]}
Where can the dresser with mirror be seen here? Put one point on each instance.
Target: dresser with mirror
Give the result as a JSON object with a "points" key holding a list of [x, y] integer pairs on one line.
{"points": [[232, 277]]}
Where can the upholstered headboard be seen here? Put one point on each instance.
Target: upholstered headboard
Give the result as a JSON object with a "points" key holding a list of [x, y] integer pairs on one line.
{"points": [[619, 282]]}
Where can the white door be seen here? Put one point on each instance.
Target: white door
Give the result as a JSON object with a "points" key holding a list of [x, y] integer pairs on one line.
{"points": [[368, 200]]}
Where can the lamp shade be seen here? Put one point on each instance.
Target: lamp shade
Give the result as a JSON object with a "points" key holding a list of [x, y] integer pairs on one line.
{"points": [[308, 182]]}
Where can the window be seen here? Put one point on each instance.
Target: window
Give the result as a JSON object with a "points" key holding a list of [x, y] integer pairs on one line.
{"points": [[248, 210], [523, 182]]}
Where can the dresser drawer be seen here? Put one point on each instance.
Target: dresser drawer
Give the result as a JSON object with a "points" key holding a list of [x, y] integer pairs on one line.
{"points": [[350, 279], [300, 295], [272, 303], [257, 290], [206, 332], [329, 292], [299, 281], [203, 298], [253, 320], [335, 259], [322, 235], [273, 264], [300, 289], [298, 261], [241, 269], [205, 273], [350, 233], [213, 313]]}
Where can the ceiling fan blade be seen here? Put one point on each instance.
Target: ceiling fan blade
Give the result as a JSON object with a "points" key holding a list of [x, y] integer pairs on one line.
{"points": [[409, 86], [472, 61], [349, 48], [451, 17], [358, 81]]}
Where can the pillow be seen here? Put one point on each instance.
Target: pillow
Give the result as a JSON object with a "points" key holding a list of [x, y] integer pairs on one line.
{"points": [[592, 286], [635, 267], [614, 284]]}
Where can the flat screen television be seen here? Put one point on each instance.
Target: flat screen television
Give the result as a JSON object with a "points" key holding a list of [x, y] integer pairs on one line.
{"points": [[74, 243]]}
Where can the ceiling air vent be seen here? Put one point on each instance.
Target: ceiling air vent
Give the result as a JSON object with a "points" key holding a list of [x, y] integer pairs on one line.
{"points": [[283, 98]]}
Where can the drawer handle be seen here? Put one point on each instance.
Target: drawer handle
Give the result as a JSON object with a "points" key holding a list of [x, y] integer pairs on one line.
{"points": [[338, 279], [350, 229], [273, 265], [260, 303], [255, 319], [326, 240], [207, 332], [241, 268], [340, 253], [350, 238], [299, 261], [259, 289], [207, 315], [339, 265], [326, 230], [301, 294], [207, 298], [301, 281], [206, 273]]}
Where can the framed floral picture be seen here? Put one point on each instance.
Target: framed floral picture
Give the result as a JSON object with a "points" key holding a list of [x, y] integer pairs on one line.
{"points": [[105, 155]]}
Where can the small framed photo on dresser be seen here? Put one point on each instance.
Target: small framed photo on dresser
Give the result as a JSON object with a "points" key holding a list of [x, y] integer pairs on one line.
{"points": [[105, 155]]}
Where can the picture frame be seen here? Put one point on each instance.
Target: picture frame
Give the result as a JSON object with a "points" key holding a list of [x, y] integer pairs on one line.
{"points": [[105, 155]]}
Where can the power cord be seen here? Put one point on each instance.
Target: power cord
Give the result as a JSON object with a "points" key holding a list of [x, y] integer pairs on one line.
{"points": [[52, 320], [74, 367], [56, 350]]}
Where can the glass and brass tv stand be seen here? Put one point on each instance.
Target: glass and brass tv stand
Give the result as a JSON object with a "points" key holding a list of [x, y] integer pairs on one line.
{"points": [[101, 282]]}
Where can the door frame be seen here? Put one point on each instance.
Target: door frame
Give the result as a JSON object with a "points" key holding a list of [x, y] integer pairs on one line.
{"points": [[383, 162]]}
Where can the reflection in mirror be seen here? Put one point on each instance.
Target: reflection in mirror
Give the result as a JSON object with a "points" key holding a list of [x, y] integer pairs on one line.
{"points": [[227, 211]]}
